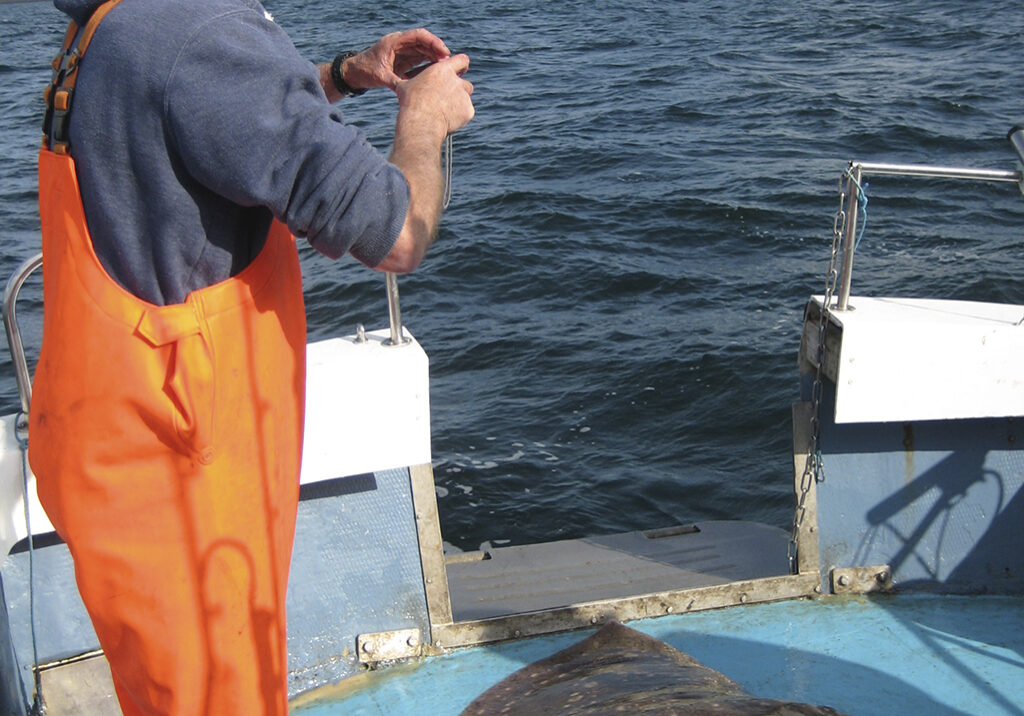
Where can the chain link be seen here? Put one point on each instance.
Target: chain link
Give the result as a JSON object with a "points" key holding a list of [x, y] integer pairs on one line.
{"points": [[814, 468]]}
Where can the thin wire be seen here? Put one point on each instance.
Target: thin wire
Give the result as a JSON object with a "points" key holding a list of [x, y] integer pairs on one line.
{"points": [[447, 172], [37, 696]]}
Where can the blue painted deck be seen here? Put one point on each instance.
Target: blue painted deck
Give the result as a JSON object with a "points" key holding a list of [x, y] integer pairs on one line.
{"points": [[911, 654]]}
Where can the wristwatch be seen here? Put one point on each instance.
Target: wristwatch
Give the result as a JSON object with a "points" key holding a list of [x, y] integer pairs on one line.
{"points": [[339, 82]]}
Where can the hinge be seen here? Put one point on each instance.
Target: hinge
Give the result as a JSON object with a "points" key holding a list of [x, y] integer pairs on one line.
{"points": [[861, 580], [388, 645]]}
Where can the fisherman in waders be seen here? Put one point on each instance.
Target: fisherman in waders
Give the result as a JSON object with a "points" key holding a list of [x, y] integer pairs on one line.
{"points": [[185, 143]]}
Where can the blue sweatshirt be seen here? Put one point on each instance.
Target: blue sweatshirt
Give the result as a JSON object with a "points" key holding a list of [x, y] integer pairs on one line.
{"points": [[196, 121]]}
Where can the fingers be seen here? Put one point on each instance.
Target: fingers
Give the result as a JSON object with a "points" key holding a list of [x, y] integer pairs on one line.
{"points": [[456, 64], [460, 63], [385, 63], [415, 47], [439, 96], [430, 47]]}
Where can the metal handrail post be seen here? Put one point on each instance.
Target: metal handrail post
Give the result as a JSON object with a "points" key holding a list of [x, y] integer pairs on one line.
{"points": [[17, 348], [394, 312], [849, 236]]}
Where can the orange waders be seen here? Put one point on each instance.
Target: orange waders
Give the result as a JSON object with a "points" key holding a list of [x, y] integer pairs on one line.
{"points": [[166, 444]]}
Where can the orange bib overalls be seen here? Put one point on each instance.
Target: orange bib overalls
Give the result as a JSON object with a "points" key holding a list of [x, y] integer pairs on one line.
{"points": [[166, 443]]}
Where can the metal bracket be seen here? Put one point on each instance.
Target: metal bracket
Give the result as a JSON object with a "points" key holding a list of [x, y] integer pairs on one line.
{"points": [[861, 580], [388, 645]]}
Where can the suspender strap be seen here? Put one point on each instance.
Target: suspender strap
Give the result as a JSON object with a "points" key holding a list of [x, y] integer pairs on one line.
{"points": [[59, 93]]}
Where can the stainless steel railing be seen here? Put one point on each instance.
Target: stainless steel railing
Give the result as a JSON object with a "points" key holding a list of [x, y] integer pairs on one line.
{"points": [[859, 170], [17, 348], [394, 313]]}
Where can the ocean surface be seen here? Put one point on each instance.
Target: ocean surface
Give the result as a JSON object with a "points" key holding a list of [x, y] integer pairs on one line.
{"points": [[640, 211]]}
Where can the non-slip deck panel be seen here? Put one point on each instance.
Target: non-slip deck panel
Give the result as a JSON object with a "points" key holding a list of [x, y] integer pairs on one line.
{"points": [[355, 570], [513, 580]]}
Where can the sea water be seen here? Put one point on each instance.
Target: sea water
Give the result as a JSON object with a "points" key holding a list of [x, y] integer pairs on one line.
{"points": [[641, 208]]}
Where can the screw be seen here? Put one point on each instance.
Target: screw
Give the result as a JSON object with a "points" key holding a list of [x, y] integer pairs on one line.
{"points": [[593, 620], [368, 648], [412, 641], [517, 633], [843, 580], [882, 577]]}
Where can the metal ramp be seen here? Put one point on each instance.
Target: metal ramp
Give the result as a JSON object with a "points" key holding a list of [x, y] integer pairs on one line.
{"points": [[530, 578]]}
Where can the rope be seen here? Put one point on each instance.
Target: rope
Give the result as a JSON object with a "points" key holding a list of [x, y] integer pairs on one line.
{"points": [[37, 708], [862, 203]]}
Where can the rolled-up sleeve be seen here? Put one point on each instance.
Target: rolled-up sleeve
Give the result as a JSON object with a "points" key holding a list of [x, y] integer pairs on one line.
{"points": [[250, 122]]}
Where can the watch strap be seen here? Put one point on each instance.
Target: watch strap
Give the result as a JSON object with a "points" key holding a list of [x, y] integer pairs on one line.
{"points": [[340, 84]]}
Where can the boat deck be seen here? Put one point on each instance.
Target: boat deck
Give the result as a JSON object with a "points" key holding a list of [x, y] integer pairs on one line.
{"points": [[912, 654]]}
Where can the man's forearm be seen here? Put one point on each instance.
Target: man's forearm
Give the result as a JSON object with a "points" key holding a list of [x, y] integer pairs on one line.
{"points": [[417, 152], [430, 106]]}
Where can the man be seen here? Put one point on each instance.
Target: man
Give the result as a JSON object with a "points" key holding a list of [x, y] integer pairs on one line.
{"points": [[183, 150]]}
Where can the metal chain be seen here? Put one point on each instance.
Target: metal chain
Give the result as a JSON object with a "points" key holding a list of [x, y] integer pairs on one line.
{"points": [[814, 467]]}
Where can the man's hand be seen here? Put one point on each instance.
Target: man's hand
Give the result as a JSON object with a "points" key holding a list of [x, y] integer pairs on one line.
{"points": [[385, 64], [438, 100]]}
